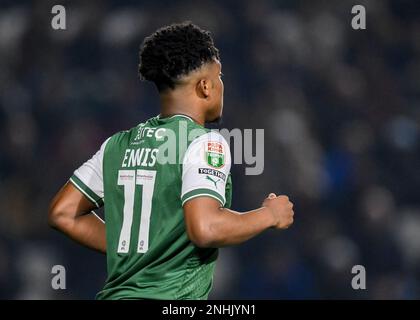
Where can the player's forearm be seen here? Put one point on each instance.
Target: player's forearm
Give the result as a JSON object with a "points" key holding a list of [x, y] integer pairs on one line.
{"points": [[88, 230], [230, 227]]}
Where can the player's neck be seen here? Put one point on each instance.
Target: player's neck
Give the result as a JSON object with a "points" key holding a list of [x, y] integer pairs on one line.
{"points": [[172, 105]]}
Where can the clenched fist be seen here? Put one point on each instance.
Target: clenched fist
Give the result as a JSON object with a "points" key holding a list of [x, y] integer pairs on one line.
{"points": [[281, 209]]}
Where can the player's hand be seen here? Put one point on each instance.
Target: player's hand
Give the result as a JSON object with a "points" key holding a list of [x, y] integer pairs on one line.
{"points": [[281, 209]]}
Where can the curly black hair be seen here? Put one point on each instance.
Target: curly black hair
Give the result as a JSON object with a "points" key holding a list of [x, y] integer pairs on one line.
{"points": [[174, 51]]}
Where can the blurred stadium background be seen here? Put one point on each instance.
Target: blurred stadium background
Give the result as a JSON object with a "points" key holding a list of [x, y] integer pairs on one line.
{"points": [[340, 109]]}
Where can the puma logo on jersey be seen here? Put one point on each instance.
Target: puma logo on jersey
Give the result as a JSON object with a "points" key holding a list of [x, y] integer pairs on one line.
{"points": [[214, 181]]}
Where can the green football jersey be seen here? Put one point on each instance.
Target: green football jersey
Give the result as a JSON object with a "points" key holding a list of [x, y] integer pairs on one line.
{"points": [[143, 177]]}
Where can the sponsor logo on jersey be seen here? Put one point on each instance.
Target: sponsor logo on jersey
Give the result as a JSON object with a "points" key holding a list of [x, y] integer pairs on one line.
{"points": [[148, 132], [212, 172], [215, 156], [144, 177], [127, 177]]}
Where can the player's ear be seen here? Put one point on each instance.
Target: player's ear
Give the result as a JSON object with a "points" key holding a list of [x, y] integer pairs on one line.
{"points": [[203, 88]]}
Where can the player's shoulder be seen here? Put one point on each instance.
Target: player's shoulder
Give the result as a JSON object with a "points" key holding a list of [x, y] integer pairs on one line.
{"points": [[210, 136], [210, 151], [211, 146], [131, 134], [118, 137]]}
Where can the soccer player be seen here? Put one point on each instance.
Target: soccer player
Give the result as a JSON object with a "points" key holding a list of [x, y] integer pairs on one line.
{"points": [[165, 219]]}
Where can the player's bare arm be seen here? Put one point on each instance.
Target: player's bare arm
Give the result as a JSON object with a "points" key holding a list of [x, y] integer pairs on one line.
{"points": [[71, 213], [210, 225]]}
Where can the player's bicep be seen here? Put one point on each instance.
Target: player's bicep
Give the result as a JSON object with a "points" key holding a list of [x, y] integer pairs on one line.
{"points": [[198, 214], [70, 202]]}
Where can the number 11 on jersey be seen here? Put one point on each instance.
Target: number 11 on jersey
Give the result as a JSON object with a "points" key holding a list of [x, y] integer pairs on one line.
{"points": [[129, 179]]}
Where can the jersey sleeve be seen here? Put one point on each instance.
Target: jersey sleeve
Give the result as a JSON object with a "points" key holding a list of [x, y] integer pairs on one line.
{"points": [[206, 168], [88, 178]]}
